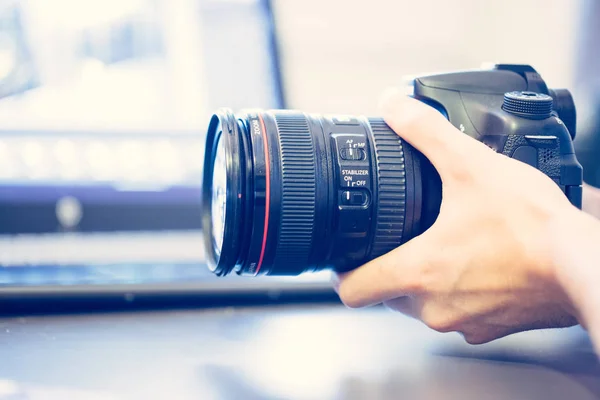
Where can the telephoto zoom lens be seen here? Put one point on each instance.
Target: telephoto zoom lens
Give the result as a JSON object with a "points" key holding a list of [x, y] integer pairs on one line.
{"points": [[285, 192]]}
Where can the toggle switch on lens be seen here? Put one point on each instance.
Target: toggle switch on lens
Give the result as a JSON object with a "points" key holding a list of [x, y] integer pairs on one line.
{"points": [[354, 198], [352, 154]]}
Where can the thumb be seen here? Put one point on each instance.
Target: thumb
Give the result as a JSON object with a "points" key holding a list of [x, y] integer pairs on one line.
{"points": [[428, 131]]}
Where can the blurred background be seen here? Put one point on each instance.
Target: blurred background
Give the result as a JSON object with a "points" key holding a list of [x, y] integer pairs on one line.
{"points": [[104, 103], [103, 111]]}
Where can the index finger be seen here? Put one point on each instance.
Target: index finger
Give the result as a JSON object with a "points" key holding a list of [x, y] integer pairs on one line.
{"points": [[387, 277]]}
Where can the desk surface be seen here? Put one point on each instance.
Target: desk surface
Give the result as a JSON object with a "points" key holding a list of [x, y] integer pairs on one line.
{"points": [[285, 352]]}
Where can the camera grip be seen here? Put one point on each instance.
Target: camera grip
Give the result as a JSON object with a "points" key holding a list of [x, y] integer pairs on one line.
{"points": [[541, 152]]}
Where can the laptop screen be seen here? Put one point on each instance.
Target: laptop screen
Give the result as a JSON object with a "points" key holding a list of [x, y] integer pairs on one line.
{"points": [[104, 107]]}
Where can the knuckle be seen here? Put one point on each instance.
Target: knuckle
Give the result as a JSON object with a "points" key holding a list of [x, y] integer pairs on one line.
{"points": [[476, 339], [415, 285], [441, 325], [441, 322]]}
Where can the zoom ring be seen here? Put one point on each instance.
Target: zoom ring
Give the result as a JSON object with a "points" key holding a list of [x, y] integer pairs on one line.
{"points": [[298, 191], [391, 182]]}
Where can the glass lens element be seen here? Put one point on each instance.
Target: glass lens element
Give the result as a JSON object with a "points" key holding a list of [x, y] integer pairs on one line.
{"points": [[219, 197]]}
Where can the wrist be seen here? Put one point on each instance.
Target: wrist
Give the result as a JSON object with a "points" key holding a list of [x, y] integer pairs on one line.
{"points": [[574, 247]]}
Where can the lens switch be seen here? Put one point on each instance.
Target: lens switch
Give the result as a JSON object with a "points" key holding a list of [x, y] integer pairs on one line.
{"points": [[354, 198], [350, 153]]}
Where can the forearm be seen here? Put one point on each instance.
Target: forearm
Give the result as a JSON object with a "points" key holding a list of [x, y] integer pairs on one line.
{"points": [[576, 244]]}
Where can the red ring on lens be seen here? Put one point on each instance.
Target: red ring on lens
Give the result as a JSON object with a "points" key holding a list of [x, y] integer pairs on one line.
{"points": [[267, 194]]}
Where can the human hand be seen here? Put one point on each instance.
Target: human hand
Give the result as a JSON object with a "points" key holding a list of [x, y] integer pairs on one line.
{"points": [[591, 200], [484, 268]]}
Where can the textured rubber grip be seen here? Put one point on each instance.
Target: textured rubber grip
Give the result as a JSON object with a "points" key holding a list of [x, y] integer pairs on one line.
{"points": [[548, 159], [298, 191], [391, 185]]}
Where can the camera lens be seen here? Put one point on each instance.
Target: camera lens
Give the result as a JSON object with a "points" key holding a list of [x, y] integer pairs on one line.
{"points": [[219, 192], [285, 192]]}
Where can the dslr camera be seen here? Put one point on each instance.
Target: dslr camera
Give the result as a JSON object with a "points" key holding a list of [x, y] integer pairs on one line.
{"points": [[286, 192]]}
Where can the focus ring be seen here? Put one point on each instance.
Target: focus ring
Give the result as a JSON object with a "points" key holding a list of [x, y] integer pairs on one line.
{"points": [[391, 183], [298, 191]]}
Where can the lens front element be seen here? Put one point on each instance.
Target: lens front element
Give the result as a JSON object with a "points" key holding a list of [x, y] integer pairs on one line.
{"points": [[223, 193], [219, 197]]}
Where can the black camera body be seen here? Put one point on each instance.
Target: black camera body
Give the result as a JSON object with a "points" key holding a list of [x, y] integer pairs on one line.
{"points": [[511, 109], [286, 192]]}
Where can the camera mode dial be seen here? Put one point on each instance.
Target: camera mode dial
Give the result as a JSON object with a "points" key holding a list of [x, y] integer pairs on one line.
{"points": [[530, 105]]}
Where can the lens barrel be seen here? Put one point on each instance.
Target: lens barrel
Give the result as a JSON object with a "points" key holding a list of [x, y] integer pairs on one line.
{"points": [[309, 192]]}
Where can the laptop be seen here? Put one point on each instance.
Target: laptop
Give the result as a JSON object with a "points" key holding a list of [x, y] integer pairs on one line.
{"points": [[101, 155]]}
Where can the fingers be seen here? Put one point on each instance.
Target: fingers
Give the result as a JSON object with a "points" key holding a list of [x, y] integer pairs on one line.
{"points": [[392, 275], [429, 131], [402, 305]]}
